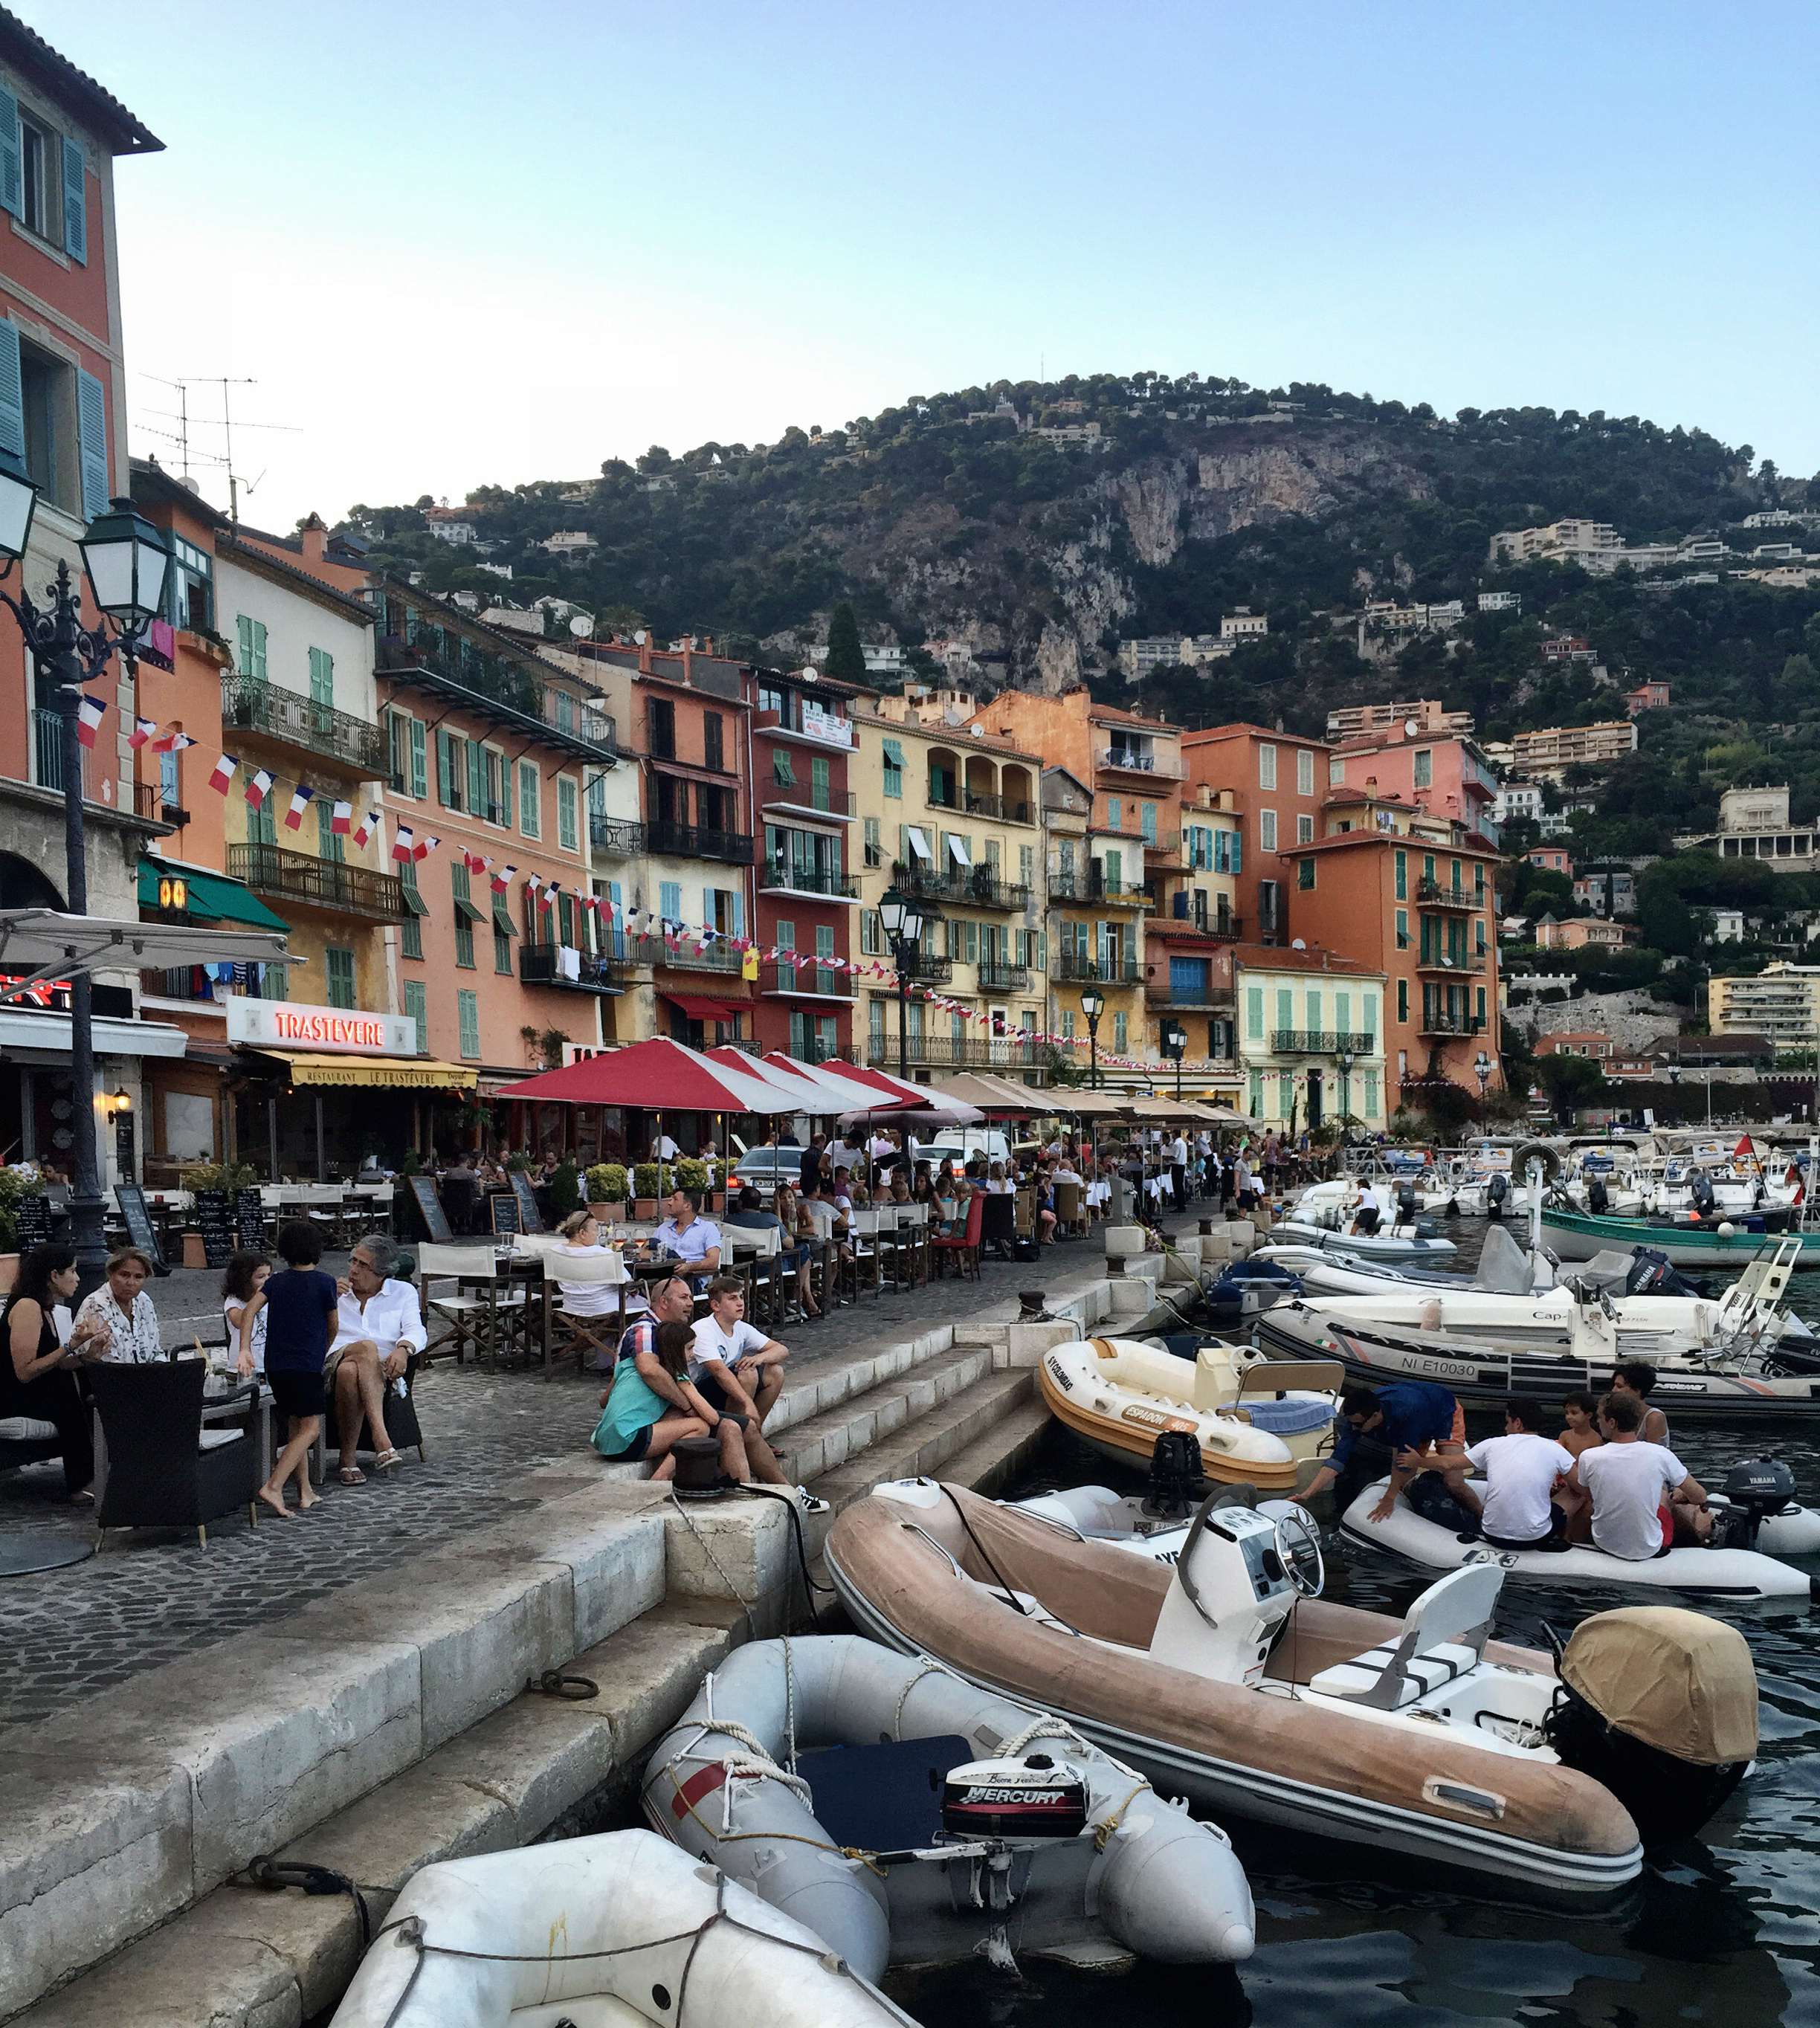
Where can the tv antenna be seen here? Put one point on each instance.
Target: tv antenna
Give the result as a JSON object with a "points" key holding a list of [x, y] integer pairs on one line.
{"points": [[235, 484]]}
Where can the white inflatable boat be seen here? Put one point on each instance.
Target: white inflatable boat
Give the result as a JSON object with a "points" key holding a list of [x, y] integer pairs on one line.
{"points": [[601, 1933], [924, 1820]]}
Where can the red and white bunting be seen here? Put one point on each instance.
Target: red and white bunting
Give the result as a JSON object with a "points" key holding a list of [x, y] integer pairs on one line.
{"points": [[300, 802]]}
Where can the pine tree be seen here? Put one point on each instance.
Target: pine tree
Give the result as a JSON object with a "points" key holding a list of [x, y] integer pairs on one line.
{"points": [[846, 661]]}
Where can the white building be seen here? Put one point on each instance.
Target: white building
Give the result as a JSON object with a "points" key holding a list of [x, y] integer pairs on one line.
{"points": [[569, 541], [1518, 800], [1244, 625], [460, 532], [1500, 601]]}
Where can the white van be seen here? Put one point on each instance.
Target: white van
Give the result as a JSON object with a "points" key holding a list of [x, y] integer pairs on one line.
{"points": [[959, 1145]]}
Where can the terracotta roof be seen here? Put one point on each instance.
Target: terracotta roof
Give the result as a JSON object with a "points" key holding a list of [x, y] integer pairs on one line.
{"points": [[126, 134], [1402, 838], [1112, 714], [1281, 957], [1241, 728]]}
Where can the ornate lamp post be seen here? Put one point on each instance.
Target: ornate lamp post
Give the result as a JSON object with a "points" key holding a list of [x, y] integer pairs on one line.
{"points": [[1674, 1086], [1092, 1005], [902, 921], [1481, 1069], [1174, 1045], [125, 559]]}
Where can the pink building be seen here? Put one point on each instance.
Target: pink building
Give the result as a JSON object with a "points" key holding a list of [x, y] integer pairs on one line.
{"points": [[1447, 776], [1552, 859], [1646, 697]]}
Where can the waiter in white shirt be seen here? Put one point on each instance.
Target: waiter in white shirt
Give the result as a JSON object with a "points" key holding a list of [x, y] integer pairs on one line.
{"points": [[378, 1327]]}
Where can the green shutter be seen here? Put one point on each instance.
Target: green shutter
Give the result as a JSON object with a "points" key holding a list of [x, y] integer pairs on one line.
{"points": [[12, 158], [443, 773], [505, 791], [467, 1015], [329, 841], [420, 786], [476, 777], [12, 387], [92, 435], [818, 788], [74, 202], [339, 971], [321, 677]]}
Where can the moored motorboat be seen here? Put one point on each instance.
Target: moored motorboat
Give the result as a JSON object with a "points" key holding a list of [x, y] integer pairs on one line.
{"points": [[908, 1817], [1226, 1678], [602, 1932], [1576, 1235]]}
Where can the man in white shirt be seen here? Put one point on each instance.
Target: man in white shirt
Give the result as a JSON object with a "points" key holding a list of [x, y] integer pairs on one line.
{"points": [[732, 1364], [1628, 1480], [378, 1327], [694, 1240], [664, 1149], [1177, 1152], [1516, 1510]]}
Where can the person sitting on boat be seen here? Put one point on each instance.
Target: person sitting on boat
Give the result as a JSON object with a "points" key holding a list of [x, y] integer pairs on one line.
{"points": [[1365, 1220], [1514, 1508], [1410, 1419], [1628, 1479], [1581, 1434], [1693, 1522]]}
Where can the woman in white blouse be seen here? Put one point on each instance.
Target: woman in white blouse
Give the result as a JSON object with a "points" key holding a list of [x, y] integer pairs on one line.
{"points": [[124, 1311], [581, 1233]]}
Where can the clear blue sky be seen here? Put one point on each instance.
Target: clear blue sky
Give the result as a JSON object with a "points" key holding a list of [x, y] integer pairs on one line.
{"points": [[464, 243]]}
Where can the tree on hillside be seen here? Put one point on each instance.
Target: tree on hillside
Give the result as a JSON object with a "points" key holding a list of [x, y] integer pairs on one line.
{"points": [[1570, 1082], [846, 661]]}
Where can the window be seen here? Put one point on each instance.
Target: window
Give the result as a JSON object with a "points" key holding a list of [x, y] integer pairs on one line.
{"points": [[782, 772], [1479, 1007], [189, 586], [1121, 1031], [871, 942], [1342, 1013], [417, 1009], [1254, 1013], [893, 768], [1402, 876], [1304, 829], [713, 754], [330, 844], [1336, 770], [874, 849], [1315, 1023], [660, 722], [1304, 772], [1255, 1101], [1268, 830], [252, 647], [565, 712], [820, 795], [338, 970], [467, 1020], [1402, 1000], [1478, 885], [1403, 929], [784, 936], [1267, 767], [322, 678], [502, 944], [1067, 1024], [875, 1024], [568, 820], [1453, 875], [1147, 822], [1371, 1094], [465, 915], [670, 900], [1424, 767], [1305, 875], [170, 781], [1369, 1018], [529, 800], [262, 824], [1285, 1007]]}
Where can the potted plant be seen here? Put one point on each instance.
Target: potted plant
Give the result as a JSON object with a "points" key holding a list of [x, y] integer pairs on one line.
{"points": [[565, 1191], [21, 1181], [607, 1184], [645, 1183], [518, 1165]]}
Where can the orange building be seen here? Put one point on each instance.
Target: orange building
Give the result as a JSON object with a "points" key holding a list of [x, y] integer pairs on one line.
{"points": [[1400, 891], [1276, 784]]}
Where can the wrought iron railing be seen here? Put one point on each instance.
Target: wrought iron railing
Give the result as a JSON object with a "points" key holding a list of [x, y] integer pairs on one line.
{"points": [[548, 965], [1438, 896], [1069, 964], [294, 719], [821, 980], [623, 837], [690, 841], [317, 883], [781, 874], [1003, 978], [1321, 1042]]}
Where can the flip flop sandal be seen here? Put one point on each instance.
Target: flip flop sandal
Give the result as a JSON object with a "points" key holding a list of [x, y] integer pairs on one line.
{"points": [[351, 1474], [385, 1461]]}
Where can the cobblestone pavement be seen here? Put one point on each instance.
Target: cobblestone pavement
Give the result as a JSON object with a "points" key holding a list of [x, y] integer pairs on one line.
{"points": [[154, 1595]]}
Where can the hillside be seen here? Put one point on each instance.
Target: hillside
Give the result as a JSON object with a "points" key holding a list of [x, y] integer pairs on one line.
{"points": [[1200, 496]]}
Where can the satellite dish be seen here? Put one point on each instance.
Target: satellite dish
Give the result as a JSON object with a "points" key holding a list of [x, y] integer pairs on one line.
{"points": [[1296, 943], [638, 639], [580, 624], [1410, 728]]}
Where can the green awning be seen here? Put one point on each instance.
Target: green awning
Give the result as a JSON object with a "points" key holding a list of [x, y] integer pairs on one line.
{"points": [[213, 897], [414, 901], [502, 919], [466, 910]]}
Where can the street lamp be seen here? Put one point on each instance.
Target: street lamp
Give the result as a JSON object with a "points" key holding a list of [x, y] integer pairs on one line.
{"points": [[1346, 1059], [1174, 1044], [902, 921], [1674, 1086], [1481, 1069], [1092, 1005], [125, 558]]}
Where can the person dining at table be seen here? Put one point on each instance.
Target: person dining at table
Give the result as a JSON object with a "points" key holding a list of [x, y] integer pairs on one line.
{"points": [[128, 1333], [580, 1234], [800, 1243], [687, 1237], [38, 1378], [378, 1324]]}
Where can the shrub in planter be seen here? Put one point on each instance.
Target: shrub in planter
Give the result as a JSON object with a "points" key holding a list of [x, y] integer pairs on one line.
{"points": [[692, 1172], [565, 1190], [518, 1165], [607, 1183], [645, 1180]]}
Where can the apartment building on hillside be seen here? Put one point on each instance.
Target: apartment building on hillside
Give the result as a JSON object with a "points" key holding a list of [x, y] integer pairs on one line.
{"points": [[1552, 750], [1782, 1002], [1421, 718]]}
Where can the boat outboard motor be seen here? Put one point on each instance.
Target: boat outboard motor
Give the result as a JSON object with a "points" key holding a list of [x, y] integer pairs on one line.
{"points": [[1497, 1194], [1405, 1203], [1653, 1273], [1176, 1479], [1700, 1190], [1598, 1198], [1756, 1488], [1036, 1797]]}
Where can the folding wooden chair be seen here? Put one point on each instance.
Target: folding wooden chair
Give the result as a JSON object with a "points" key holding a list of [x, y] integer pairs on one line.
{"points": [[568, 1334], [1071, 1213], [487, 1313]]}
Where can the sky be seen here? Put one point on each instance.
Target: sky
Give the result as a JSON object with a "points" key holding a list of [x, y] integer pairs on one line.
{"points": [[467, 243]]}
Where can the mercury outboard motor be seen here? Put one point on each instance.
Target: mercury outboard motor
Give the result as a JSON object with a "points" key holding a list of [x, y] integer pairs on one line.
{"points": [[1497, 1193], [1598, 1198], [1756, 1488], [1037, 1796], [1701, 1190]]}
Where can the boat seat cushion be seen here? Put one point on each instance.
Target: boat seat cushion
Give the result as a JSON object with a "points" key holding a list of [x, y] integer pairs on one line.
{"points": [[1429, 1670], [1290, 1417]]}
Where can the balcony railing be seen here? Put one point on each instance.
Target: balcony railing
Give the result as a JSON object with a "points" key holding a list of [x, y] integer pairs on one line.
{"points": [[1212, 924], [719, 956], [1003, 978], [1438, 1023], [825, 730], [1118, 971], [800, 981], [547, 964], [928, 1052], [1168, 993], [317, 883], [779, 876], [975, 885], [1128, 761], [1321, 1042], [978, 805], [1446, 961], [290, 719], [689, 841], [1438, 896], [620, 838]]}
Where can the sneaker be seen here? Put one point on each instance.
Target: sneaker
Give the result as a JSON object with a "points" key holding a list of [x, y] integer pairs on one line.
{"points": [[808, 1503]]}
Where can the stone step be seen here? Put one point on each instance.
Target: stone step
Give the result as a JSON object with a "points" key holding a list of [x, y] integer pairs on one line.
{"points": [[825, 1442], [824, 1387], [991, 1461], [924, 1446]]}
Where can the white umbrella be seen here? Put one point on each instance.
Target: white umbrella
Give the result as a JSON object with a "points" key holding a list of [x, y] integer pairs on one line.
{"points": [[804, 1096], [51, 945], [842, 1093]]}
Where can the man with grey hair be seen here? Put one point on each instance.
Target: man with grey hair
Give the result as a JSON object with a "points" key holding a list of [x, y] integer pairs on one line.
{"points": [[378, 1327]]}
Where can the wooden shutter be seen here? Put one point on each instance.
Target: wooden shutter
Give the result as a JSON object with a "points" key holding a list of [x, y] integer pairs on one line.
{"points": [[12, 387], [12, 158], [321, 677], [91, 432], [505, 791], [476, 777], [74, 202], [444, 772]]}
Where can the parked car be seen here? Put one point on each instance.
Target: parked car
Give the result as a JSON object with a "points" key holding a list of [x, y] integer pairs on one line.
{"points": [[764, 1168]]}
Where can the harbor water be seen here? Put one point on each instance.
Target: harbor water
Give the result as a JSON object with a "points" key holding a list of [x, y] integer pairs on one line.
{"points": [[1724, 1930]]}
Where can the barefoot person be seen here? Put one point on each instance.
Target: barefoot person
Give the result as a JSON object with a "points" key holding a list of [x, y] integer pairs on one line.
{"points": [[378, 1327], [299, 1306]]}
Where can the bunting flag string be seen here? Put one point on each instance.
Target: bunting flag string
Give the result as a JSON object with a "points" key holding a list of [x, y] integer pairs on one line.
{"points": [[365, 830], [89, 711], [259, 788], [143, 730], [341, 819], [300, 802]]}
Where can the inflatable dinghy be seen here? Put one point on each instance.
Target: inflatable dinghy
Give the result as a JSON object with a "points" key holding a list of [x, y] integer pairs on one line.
{"points": [[604, 1932], [1226, 1676], [927, 1819], [1259, 1422]]}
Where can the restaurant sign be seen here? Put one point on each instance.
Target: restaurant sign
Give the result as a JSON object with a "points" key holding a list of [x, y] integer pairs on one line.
{"points": [[290, 1024]]}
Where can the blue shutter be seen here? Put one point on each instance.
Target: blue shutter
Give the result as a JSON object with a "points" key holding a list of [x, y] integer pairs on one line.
{"points": [[616, 894], [91, 428], [12, 395], [419, 787], [12, 158], [1237, 852], [74, 202], [670, 900]]}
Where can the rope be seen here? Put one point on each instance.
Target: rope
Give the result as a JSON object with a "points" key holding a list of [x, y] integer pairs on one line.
{"points": [[1011, 1596], [928, 1669], [757, 1764], [276, 1874], [708, 1551]]}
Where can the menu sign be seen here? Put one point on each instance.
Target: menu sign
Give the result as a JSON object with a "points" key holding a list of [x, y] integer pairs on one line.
{"points": [[140, 1229], [527, 1198], [215, 1225], [248, 1221], [33, 1216], [290, 1024]]}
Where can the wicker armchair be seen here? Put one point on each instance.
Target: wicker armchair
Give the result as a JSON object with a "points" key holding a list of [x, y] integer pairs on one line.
{"points": [[165, 1471]]}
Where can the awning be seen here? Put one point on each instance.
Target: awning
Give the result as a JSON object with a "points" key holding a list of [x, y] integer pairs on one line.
{"points": [[212, 897], [704, 1010], [958, 848], [46, 943], [502, 920], [413, 901], [397, 1073], [20, 1032], [918, 844], [468, 911], [893, 752]]}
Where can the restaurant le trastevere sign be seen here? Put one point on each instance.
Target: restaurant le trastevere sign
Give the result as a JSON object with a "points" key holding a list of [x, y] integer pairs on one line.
{"points": [[291, 1024]]}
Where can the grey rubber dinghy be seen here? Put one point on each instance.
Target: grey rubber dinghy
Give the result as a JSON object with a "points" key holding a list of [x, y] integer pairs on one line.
{"points": [[926, 1820]]}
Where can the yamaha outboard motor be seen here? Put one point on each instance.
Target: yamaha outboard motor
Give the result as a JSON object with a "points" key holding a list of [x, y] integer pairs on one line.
{"points": [[1497, 1194], [1653, 1273], [1425, 1227], [1177, 1483], [1756, 1489], [1598, 1198], [1701, 1190]]}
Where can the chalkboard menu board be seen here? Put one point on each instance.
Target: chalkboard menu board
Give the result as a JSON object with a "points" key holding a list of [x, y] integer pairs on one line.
{"points": [[33, 1216], [132, 1200], [249, 1221], [528, 1212], [504, 1211], [429, 1210], [215, 1225]]}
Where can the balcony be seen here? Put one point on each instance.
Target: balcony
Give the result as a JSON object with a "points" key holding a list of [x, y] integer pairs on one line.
{"points": [[542, 965], [993, 806], [1230, 929], [1168, 994], [779, 876], [1118, 971], [1438, 1023], [303, 882], [975, 885], [719, 956], [289, 719], [814, 728], [1321, 1042], [689, 841], [1435, 896], [791, 799], [927, 970], [808, 981], [1003, 978], [952, 1053], [1129, 760], [1453, 966], [618, 837]]}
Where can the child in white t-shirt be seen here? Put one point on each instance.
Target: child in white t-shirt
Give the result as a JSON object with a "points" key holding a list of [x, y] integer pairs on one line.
{"points": [[242, 1278]]}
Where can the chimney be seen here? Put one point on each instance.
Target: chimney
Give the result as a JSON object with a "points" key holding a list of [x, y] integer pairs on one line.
{"points": [[314, 535]]}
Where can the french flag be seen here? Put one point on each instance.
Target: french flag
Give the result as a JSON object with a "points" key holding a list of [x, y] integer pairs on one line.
{"points": [[369, 824], [89, 714], [143, 728], [401, 847], [502, 879], [473, 863], [223, 774], [173, 742], [259, 788], [423, 850], [299, 803], [342, 821]]}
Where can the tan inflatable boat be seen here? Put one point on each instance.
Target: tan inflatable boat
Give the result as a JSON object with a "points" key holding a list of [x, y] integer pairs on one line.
{"points": [[1226, 1679]]}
